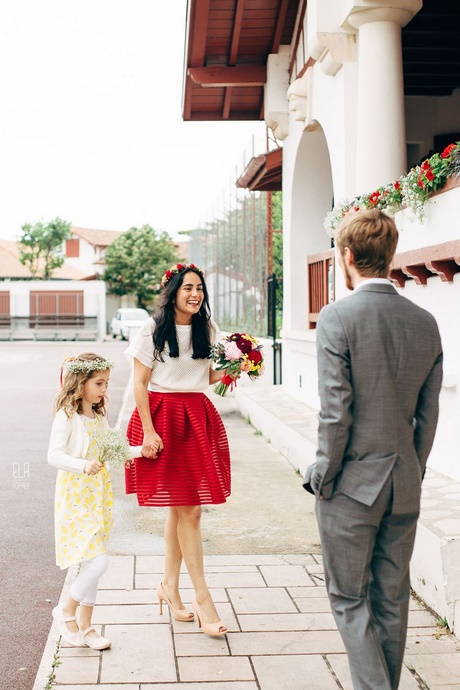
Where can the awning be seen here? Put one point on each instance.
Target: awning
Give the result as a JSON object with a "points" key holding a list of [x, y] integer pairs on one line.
{"points": [[263, 173]]}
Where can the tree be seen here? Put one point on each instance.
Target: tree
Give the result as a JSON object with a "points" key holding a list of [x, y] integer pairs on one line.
{"points": [[136, 261], [40, 247]]}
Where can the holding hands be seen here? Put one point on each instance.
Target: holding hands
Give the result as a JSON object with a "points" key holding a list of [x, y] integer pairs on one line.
{"points": [[152, 445]]}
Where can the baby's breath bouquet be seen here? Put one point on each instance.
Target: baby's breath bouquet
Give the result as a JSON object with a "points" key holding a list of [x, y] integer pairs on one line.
{"points": [[114, 447]]}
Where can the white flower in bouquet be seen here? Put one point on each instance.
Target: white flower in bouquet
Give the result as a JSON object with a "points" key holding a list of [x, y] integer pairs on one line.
{"points": [[113, 446]]}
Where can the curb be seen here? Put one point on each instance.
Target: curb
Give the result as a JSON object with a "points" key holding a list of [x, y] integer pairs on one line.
{"points": [[45, 668]]}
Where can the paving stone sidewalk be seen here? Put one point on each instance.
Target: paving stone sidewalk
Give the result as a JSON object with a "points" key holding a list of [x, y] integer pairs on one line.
{"points": [[281, 632]]}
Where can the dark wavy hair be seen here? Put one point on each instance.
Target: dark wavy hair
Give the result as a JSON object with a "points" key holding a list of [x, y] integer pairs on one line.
{"points": [[165, 331]]}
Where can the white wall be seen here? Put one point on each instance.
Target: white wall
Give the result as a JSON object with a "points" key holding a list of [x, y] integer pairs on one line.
{"points": [[440, 298], [94, 296], [442, 224], [85, 261]]}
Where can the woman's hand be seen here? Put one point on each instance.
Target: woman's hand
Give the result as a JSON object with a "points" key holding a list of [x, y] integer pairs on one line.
{"points": [[152, 445], [216, 375], [92, 467]]}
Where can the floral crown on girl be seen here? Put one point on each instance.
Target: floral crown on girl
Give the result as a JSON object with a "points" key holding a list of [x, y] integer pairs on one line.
{"points": [[86, 366], [178, 268]]}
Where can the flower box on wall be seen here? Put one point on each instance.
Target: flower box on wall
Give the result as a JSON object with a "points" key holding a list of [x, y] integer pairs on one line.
{"points": [[440, 224]]}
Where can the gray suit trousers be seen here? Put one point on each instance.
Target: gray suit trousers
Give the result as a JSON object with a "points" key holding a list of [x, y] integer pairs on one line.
{"points": [[366, 552]]}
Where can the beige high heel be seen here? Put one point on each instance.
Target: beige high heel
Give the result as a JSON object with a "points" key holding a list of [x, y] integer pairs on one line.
{"points": [[178, 614], [213, 629]]}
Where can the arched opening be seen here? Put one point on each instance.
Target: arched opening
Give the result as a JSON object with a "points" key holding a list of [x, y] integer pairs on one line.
{"points": [[307, 202]]}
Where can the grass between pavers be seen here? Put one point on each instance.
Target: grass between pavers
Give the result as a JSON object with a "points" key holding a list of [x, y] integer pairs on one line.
{"points": [[55, 663]]}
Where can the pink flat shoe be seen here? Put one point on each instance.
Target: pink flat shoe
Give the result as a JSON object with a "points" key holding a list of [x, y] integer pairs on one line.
{"points": [[98, 642], [75, 639]]}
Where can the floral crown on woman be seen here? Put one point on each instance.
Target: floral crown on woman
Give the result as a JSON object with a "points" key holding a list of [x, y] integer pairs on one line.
{"points": [[178, 268], [86, 366]]}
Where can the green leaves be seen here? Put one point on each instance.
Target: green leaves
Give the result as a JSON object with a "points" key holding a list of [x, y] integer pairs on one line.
{"points": [[40, 246], [136, 262]]}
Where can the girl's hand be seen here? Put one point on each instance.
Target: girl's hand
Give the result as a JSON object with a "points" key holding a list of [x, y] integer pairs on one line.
{"points": [[152, 445], [92, 467]]}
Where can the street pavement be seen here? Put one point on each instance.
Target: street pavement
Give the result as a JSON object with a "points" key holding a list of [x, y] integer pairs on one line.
{"points": [[263, 565]]}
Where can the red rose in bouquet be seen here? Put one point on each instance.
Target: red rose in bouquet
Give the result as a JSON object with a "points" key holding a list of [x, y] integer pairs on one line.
{"points": [[243, 343], [255, 356]]}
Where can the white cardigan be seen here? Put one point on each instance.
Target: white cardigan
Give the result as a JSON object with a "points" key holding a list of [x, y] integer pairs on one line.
{"points": [[69, 442]]}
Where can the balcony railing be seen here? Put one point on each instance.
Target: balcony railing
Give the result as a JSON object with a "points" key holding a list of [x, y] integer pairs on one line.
{"points": [[320, 284]]}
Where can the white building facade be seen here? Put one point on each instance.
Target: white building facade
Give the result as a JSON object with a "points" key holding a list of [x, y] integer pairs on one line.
{"points": [[358, 92], [350, 131]]}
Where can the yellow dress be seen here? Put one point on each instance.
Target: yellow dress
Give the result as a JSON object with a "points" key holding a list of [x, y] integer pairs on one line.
{"points": [[83, 509]]}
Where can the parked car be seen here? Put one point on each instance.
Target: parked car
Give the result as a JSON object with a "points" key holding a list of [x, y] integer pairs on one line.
{"points": [[126, 320]]}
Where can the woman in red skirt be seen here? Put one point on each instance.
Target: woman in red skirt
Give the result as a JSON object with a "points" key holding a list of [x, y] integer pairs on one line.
{"points": [[186, 460]]}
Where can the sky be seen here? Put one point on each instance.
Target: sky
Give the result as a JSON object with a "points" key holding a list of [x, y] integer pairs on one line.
{"points": [[90, 119]]}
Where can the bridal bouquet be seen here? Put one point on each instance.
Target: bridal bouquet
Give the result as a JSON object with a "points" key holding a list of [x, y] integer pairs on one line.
{"points": [[237, 353], [114, 447]]}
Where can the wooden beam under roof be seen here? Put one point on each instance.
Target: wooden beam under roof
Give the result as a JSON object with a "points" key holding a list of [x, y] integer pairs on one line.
{"points": [[238, 21], [199, 31], [279, 26], [241, 75]]}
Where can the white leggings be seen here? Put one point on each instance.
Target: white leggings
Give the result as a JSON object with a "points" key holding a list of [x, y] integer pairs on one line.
{"points": [[84, 588]]}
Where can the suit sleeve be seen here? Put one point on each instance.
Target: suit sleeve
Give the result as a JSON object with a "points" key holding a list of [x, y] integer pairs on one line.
{"points": [[57, 449], [336, 397], [427, 412]]}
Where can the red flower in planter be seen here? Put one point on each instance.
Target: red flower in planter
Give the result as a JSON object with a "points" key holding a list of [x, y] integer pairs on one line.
{"points": [[448, 151], [426, 174], [374, 197]]}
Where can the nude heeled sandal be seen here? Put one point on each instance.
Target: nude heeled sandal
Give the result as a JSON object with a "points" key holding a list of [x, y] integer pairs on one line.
{"points": [[178, 614], [213, 629]]}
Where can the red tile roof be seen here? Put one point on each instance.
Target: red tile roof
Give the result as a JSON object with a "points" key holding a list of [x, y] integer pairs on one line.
{"points": [[98, 238], [11, 267]]}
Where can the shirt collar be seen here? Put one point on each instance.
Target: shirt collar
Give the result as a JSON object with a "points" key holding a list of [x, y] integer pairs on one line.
{"points": [[369, 281]]}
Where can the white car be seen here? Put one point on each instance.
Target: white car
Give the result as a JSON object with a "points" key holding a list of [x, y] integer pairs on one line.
{"points": [[127, 321]]}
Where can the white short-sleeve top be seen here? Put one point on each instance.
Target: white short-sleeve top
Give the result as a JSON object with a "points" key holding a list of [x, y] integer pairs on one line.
{"points": [[175, 374]]}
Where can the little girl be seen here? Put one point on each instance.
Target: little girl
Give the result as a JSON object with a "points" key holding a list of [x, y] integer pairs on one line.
{"points": [[83, 499]]}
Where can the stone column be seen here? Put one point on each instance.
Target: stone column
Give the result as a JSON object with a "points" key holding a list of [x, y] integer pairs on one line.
{"points": [[381, 131]]}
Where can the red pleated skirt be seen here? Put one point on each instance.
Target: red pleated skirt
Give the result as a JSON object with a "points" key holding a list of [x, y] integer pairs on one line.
{"points": [[194, 466]]}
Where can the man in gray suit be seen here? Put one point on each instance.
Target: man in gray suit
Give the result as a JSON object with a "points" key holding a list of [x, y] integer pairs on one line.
{"points": [[380, 371]]}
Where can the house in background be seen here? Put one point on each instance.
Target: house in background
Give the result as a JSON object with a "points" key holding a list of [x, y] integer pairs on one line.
{"points": [[85, 250], [68, 307], [356, 92], [41, 310]]}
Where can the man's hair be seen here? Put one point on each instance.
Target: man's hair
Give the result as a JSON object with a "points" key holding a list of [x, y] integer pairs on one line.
{"points": [[371, 236]]}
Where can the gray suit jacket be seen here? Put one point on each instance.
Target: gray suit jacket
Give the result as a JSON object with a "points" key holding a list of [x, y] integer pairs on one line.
{"points": [[380, 373]]}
